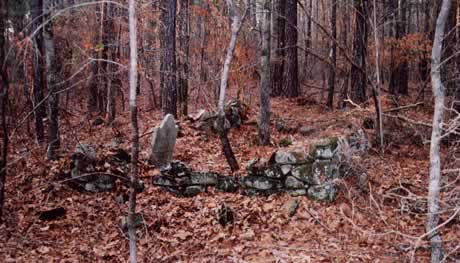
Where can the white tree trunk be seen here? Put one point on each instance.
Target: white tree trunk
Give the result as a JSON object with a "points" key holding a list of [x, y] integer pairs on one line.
{"points": [[435, 158], [135, 128]]}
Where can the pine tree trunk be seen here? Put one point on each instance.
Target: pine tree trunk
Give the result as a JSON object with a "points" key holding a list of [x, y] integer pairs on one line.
{"points": [[264, 119], [291, 67], [436, 135], [38, 65], [51, 81], [358, 69], [168, 58], [333, 55], [277, 67], [4, 83], [184, 55]]}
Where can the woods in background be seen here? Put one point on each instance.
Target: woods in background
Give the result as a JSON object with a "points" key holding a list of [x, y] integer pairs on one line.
{"points": [[90, 59]]}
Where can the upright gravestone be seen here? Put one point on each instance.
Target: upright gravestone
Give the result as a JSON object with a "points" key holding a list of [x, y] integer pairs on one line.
{"points": [[163, 142]]}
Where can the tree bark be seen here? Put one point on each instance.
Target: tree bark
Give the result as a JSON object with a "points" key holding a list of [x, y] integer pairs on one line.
{"points": [[38, 65], [51, 81], [168, 58], [184, 55], [4, 85], [358, 69], [333, 55], [133, 78], [277, 67], [264, 118], [291, 68], [436, 134], [112, 54]]}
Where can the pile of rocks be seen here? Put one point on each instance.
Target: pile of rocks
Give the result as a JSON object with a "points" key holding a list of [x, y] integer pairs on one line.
{"points": [[299, 173], [178, 178]]}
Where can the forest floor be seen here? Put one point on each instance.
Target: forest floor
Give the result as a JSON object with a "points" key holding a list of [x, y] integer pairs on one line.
{"points": [[375, 221]]}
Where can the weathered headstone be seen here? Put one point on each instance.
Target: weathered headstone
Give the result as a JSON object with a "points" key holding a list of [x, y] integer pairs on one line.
{"points": [[163, 142]]}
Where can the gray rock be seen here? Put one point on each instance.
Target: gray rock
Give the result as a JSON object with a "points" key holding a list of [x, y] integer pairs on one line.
{"points": [[286, 169], [163, 181], [325, 192], [293, 183], [205, 179], [306, 130], [325, 170], [260, 183], [227, 184], [325, 148], [305, 174], [297, 192], [273, 172], [164, 141], [281, 157]]}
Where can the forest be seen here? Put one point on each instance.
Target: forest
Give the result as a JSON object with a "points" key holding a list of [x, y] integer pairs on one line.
{"points": [[230, 131]]}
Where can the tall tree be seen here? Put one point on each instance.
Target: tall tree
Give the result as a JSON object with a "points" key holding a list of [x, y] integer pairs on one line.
{"points": [[93, 85], [111, 42], [4, 83], [403, 76], [279, 33], [434, 187], [51, 81], [264, 118], [333, 55], [291, 67], [38, 64], [133, 78], [168, 57], [184, 55], [456, 105], [358, 69]]}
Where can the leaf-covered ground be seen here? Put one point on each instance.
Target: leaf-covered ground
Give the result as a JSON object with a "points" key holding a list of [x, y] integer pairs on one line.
{"points": [[377, 217]]}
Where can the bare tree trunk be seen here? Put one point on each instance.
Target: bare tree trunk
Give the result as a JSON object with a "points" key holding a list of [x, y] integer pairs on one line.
{"points": [[376, 89], [133, 75], [264, 121], [168, 58], [291, 67], [277, 67], [51, 81], [4, 83], [435, 158], [333, 55], [40, 111], [237, 21], [111, 50], [456, 105], [358, 69], [184, 56]]}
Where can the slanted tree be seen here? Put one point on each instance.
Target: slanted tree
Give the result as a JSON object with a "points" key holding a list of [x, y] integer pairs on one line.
{"points": [[168, 58], [291, 67], [237, 20], [279, 33], [264, 117], [358, 69], [51, 81], [4, 84], [434, 187], [38, 65]]}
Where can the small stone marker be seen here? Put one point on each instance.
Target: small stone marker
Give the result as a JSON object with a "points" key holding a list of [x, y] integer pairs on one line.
{"points": [[163, 142]]}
